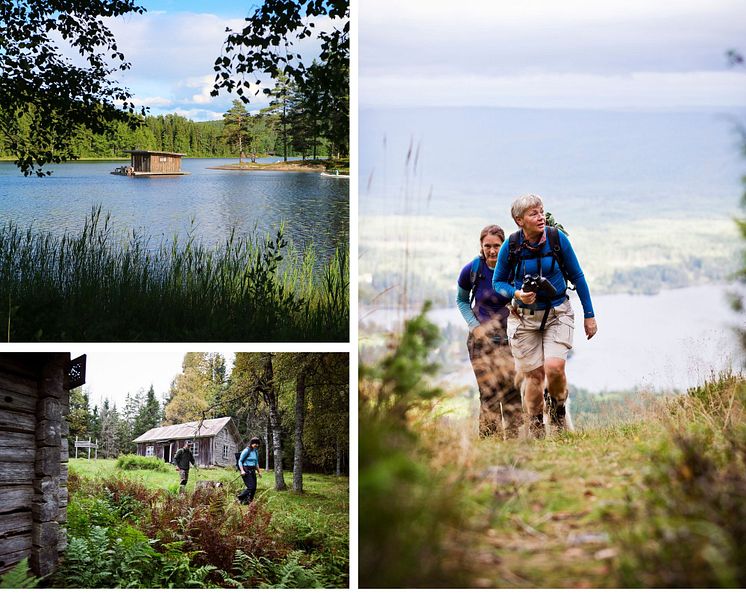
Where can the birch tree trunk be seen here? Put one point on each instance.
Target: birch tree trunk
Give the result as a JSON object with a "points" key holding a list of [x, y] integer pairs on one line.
{"points": [[300, 415], [274, 418]]}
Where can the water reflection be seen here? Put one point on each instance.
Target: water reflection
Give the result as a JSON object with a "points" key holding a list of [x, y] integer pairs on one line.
{"points": [[315, 209]]}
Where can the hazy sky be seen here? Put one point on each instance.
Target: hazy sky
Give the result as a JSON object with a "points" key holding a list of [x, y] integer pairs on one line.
{"points": [[115, 374], [549, 54], [172, 49]]}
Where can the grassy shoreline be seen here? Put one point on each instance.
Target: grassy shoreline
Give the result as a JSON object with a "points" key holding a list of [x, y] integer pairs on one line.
{"points": [[92, 286]]}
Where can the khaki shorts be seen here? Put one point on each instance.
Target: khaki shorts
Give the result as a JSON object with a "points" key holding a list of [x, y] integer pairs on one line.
{"points": [[531, 347]]}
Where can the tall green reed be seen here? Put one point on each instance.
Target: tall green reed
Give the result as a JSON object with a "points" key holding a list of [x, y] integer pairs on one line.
{"points": [[95, 286]]}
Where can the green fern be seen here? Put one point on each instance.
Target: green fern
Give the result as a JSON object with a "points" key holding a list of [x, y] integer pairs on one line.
{"points": [[19, 577]]}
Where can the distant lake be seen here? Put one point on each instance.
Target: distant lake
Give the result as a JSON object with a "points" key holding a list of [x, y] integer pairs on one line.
{"points": [[315, 209], [589, 166], [674, 340]]}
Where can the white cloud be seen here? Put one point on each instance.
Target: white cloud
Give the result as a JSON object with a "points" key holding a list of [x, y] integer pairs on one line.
{"points": [[154, 101], [548, 53], [198, 114]]}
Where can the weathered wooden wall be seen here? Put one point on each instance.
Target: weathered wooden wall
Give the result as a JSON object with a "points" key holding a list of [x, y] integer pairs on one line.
{"points": [[224, 438], [33, 459]]}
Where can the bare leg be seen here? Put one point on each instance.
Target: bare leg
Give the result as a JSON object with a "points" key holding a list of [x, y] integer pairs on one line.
{"points": [[557, 386], [533, 399]]}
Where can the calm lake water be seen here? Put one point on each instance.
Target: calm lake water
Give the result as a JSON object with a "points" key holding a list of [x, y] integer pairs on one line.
{"points": [[315, 209], [670, 341]]}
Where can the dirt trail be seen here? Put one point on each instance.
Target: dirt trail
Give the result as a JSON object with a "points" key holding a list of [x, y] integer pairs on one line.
{"points": [[548, 508]]}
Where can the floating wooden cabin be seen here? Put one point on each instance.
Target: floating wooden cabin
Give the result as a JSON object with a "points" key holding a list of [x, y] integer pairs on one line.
{"points": [[152, 163], [34, 401], [215, 441]]}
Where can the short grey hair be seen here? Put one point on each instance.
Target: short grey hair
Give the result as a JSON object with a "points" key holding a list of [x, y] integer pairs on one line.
{"points": [[523, 204]]}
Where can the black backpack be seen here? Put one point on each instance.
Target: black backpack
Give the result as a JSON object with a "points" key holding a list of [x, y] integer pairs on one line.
{"points": [[238, 456], [555, 251], [474, 275]]}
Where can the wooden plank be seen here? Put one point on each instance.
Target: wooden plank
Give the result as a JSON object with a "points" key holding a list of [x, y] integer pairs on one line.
{"points": [[15, 543], [12, 400], [15, 497], [11, 559], [26, 386], [14, 454], [21, 440], [16, 473], [13, 524], [16, 421]]}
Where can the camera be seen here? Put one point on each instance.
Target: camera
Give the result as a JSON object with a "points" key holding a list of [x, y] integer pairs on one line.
{"points": [[538, 284]]}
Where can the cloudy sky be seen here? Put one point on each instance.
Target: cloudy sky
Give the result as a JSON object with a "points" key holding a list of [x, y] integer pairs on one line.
{"points": [[549, 54], [172, 49]]}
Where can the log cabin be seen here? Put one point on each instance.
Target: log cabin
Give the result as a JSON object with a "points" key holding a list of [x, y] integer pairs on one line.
{"points": [[152, 163], [215, 441], [34, 401]]}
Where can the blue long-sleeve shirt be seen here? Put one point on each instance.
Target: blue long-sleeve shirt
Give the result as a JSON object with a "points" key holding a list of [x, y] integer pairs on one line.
{"points": [[249, 458], [501, 277]]}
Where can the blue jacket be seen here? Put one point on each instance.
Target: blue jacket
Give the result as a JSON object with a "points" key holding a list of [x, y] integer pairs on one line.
{"points": [[548, 269], [249, 458]]}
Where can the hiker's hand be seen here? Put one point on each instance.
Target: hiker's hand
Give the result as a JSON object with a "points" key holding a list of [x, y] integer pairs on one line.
{"points": [[479, 333], [590, 327], [527, 298]]}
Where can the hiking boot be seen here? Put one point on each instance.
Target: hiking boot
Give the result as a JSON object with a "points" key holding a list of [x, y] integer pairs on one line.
{"points": [[536, 426], [556, 412]]}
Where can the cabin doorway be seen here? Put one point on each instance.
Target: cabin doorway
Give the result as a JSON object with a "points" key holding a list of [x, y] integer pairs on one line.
{"points": [[167, 453]]}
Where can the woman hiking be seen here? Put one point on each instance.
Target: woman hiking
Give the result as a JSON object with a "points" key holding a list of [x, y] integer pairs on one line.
{"points": [[486, 314], [533, 270], [248, 464]]}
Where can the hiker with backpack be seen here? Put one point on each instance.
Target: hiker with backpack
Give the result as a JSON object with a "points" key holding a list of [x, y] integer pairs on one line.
{"points": [[248, 464], [486, 314], [533, 269], [182, 459]]}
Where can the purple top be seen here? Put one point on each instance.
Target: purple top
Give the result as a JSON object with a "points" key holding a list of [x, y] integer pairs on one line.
{"points": [[488, 304]]}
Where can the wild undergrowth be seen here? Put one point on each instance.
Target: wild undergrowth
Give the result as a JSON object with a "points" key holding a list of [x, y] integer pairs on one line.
{"points": [[648, 492], [123, 534], [407, 506], [685, 524], [94, 286], [133, 462]]}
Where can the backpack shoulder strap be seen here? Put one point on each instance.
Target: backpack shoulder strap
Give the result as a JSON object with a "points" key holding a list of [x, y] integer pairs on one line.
{"points": [[476, 264], [514, 254], [555, 246]]}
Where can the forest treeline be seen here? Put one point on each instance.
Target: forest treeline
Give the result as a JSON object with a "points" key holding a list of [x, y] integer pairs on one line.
{"points": [[174, 133], [296, 402], [295, 123]]}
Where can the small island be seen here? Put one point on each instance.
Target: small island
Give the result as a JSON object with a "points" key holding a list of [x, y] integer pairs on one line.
{"points": [[337, 168]]}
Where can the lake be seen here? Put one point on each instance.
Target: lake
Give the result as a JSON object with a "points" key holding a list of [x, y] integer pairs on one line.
{"points": [[670, 341], [648, 198], [315, 209]]}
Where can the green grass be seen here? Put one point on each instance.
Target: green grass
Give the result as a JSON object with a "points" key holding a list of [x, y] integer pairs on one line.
{"points": [[649, 492], [95, 287]]}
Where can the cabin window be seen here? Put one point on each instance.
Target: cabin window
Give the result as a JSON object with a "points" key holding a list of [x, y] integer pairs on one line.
{"points": [[149, 451], [163, 160], [195, 449], [225, 451]]}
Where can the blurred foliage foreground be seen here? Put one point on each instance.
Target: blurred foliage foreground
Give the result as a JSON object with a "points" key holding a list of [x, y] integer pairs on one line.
{"points": [[654, 497]]}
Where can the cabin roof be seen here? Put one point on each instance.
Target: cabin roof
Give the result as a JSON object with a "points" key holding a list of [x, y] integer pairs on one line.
{"points": [[146, 152], [207, 428]]}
